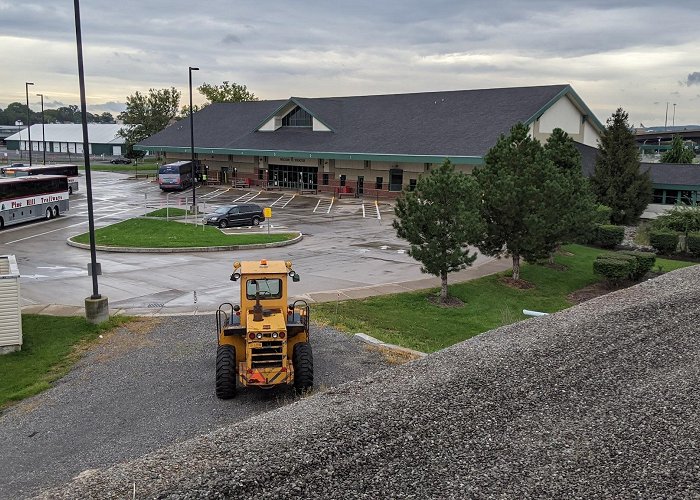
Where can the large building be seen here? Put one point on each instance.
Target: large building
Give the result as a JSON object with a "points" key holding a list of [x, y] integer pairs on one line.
{"points": [[68, 138], [369, 145]]}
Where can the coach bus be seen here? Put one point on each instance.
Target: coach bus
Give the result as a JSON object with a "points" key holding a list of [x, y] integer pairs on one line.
{"points": [[176, 175], [70, 171], [23, 199]]}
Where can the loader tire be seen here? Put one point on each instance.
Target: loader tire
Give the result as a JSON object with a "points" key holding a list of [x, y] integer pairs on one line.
{"points": [[225, 372], [303, 367]]}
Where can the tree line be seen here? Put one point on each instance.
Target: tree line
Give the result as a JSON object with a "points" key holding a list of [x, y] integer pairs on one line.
{"points": [[524, 202], [17, 111], [149, 113]]}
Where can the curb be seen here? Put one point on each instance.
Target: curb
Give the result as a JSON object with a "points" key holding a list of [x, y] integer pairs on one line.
{"points": [[253, 246], [367, 339]]}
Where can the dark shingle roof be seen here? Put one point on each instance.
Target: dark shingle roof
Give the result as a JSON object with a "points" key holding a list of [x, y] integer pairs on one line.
{"points": [[675, 174], [680, 174], [452, 123]]}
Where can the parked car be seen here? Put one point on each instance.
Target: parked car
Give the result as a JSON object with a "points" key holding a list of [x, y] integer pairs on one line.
{"points": [[236, 215], [120, 161]]}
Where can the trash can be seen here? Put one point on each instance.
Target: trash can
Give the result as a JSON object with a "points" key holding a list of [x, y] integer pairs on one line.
{"points": [[10, 311]]}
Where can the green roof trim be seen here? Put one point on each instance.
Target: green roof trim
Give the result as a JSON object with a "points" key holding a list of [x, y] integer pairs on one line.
{"points": [[292, 100], [677, 187], [457, 160], [568, 90]]}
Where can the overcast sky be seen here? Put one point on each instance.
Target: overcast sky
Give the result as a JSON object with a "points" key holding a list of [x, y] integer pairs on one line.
{"points": [[635, 54]]}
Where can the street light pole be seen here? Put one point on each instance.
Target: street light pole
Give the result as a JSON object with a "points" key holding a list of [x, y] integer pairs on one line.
{"points": [[29, 122], [194, 167], [674, 114], [43, 132], [96, 306]]}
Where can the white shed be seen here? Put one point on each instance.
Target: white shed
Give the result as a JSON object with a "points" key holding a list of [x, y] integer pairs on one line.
{"points": [[10, 312]]}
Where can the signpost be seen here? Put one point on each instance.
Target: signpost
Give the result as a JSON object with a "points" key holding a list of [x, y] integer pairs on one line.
{"points": [[267, 212]]}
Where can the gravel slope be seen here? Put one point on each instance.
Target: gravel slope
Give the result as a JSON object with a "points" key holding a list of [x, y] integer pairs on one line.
{"points": [[138, 391], [599, 401]]}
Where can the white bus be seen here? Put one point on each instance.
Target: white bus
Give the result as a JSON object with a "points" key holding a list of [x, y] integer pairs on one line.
{"points": [[71, 171], [34, 197]]}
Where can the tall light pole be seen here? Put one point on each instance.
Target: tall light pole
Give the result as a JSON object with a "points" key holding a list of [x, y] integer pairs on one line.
{"points": [[29, 123], [194, 167], [96, 306], [674, 114], [43, 132]]}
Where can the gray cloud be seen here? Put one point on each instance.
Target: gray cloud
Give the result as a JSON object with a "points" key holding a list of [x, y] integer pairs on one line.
{"points": [[693, 79], [230, 38], [316, 48], [111, 107]]}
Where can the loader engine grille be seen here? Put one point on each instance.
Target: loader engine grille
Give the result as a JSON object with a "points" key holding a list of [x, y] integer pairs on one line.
{"points": [[270, 355]]}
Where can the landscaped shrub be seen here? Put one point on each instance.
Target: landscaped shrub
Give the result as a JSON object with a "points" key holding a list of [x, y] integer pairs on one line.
{"points": [[602, 214], [681, 219], [645, 263], [608, 236], [693, 244], [665, 242], [613, 268]]}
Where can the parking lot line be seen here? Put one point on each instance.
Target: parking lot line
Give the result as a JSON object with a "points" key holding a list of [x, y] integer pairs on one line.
{"points": [[290, 199], [278, 199]]}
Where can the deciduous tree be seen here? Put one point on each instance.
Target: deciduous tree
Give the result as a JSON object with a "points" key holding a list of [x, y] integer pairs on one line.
{"points": [[439, 219], [617, 181], [226, 92], [147, 114]]}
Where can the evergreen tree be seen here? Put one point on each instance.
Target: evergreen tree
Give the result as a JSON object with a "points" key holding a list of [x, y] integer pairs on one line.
{"points": [[439, 219], [678, 153], [617, 181], [523, 195], [579, 214]]}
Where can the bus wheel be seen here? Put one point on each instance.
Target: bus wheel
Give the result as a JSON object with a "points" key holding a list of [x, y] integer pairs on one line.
{"points": [[55, 212], [223, 223], [49, 213]]}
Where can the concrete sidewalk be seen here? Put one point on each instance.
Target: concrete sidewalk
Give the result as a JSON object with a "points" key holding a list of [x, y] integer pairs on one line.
{"points": [[490, 267]]}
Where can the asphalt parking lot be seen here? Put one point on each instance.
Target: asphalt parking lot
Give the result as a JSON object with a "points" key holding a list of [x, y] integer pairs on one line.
{"points": [[347, 244]]}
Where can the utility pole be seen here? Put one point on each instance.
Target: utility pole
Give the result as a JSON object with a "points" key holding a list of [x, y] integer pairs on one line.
{"points": [[666, 120]]}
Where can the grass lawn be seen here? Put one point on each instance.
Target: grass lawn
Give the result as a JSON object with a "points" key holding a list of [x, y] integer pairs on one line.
{"points": [[150, 233], [170, 212], [52, 344], [148, 168], [408, 319]]}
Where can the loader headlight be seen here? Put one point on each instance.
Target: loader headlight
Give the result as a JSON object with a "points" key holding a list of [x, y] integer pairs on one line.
{"points": [[258, 335], [274, 335]]}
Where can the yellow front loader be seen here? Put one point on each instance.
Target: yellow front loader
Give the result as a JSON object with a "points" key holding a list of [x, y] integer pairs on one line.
{"points": [[263, 341]]}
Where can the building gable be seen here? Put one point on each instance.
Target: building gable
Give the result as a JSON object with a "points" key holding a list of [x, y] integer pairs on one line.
{"points": [[293, 114]]}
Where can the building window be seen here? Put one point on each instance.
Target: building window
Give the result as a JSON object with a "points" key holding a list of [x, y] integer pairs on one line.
{"points": [[379, 184], [297, 118], [412, 184], [342, 180], [658, 196], [325, 179]]}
